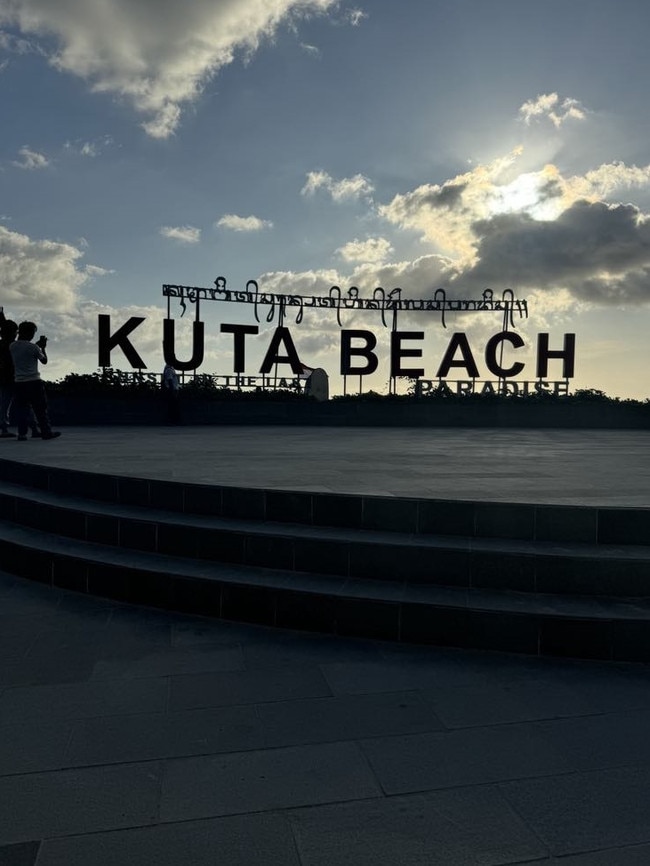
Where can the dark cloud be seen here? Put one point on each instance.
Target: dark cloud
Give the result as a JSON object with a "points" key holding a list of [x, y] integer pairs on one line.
{"points": [[596, 251], [448, 196]]}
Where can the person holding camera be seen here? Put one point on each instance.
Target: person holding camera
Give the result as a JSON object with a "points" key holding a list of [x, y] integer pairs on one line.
{"points": [[29, 391]]}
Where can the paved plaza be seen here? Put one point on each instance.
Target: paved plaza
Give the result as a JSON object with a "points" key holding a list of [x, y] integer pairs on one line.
{"points": [[131, 736], [134, 736], [581, 467]]}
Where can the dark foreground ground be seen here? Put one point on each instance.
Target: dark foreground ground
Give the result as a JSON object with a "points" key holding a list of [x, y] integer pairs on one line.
{"points": [[132, 736], [129, 736]]}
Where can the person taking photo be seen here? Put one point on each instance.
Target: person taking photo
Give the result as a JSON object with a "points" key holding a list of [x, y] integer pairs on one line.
{"points": [[29, 391]]}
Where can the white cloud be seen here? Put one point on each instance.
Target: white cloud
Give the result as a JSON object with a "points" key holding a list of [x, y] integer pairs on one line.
{"points": [[9, 42], [243, 224], [183, 234], [356, 16], [311, 49], [31, 159], [372, 250], [605, 180], [443, 213], [89, 148], [155, 54], [95, 271], [538, 231], [39, 275], [355, 187], [550, 106]]}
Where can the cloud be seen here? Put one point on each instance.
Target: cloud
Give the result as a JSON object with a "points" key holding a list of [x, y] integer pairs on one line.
{"points": [[183, 234], [95, 271], [155, 54], [15, 45], [341, 190], [607, 179], [89, 148], [372, 250], [312, 50], [355, 16], [596, 251], [549, 106], [31, 159], [536, 231], [39, 275], [419, 277], [442, 214], [243, 224]]}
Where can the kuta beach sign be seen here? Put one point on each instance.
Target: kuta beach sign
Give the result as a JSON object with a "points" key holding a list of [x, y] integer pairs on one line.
{"points": [[358, 347]]}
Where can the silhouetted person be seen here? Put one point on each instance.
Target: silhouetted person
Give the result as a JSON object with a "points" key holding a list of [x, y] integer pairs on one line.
{"points": [[29, 392], [171, 391], [8, 331]]}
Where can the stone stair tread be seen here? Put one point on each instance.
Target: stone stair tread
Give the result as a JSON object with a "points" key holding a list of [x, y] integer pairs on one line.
{"points": [[473, 599], [497, 545]]}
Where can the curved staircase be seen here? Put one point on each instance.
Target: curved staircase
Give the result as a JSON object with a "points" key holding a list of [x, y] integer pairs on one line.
{"points": [[538, 579]]}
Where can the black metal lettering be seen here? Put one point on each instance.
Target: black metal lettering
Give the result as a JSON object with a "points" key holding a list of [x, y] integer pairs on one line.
{"points": [[347, 350], [567, 354], [169, 345], [458, 341], [119, 338], [239, 332], [272, 357], [491, 354], [397, 352]]}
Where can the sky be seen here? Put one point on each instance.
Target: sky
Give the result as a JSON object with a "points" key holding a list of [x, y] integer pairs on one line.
{"points": [[461, 145]]}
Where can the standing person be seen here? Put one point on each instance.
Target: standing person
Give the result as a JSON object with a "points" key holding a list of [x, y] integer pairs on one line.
{"points": [[29, 391], [8, 331], [170, 388]]}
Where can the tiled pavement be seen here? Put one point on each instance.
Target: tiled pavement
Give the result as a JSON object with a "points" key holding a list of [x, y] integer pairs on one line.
{"points": [[580, 467], [132, 736]]}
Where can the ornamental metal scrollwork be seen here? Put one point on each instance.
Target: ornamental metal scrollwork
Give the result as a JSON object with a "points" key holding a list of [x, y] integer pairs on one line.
{"points": [[337, 300]]}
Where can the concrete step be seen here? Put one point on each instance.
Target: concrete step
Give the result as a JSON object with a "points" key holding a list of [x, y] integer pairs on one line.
{"points": [[471, 563], [515, 521], [545, 624]]}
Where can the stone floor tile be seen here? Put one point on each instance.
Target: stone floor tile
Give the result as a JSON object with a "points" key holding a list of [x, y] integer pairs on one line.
{"points": [[249, 840], [596, 742], [42, 805], [294, 648], [246, 687], [119, 739], [636, 855], [264, 780], [171, 661], [35, 746], [584, 811], [447, 828], [23, 854], [503, 703], [349, 717], [79, 700], [356, 678], [473, 756]]}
